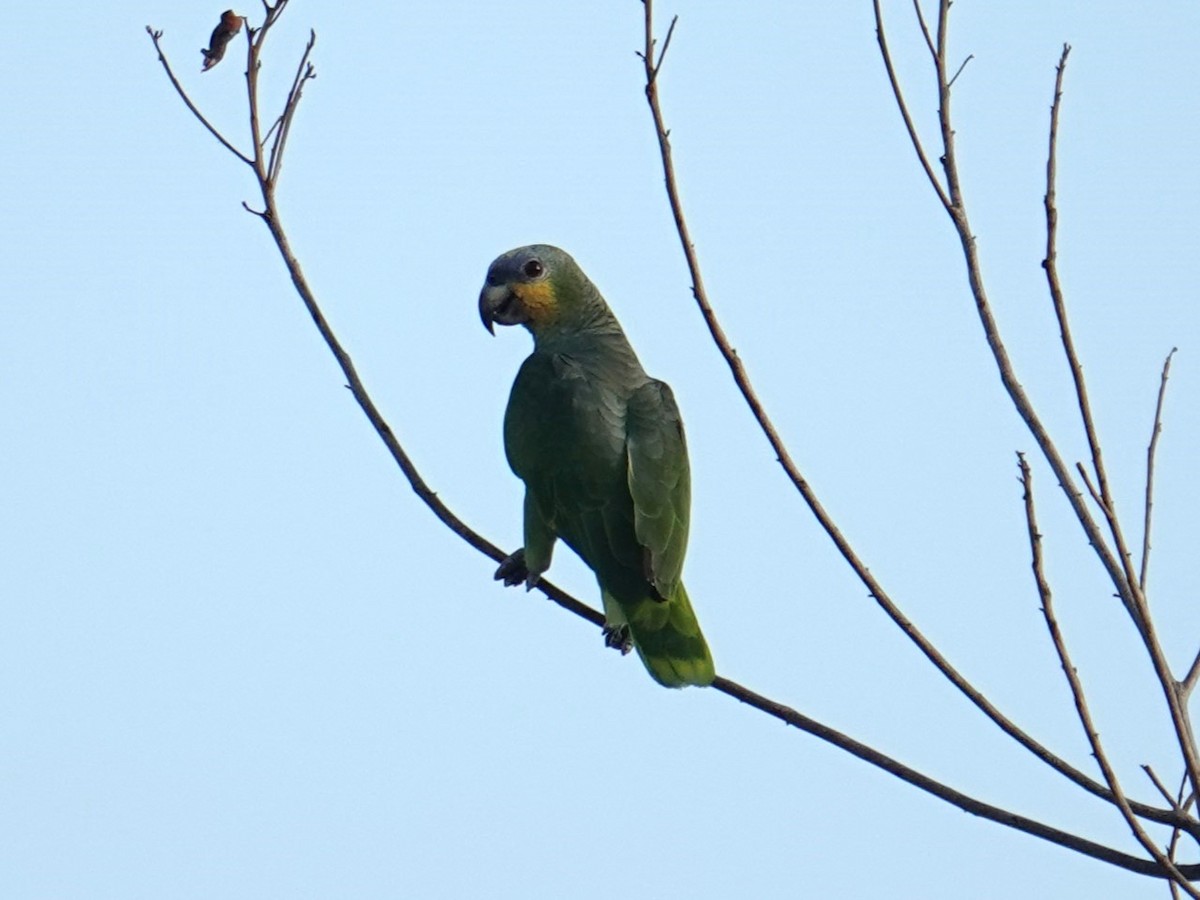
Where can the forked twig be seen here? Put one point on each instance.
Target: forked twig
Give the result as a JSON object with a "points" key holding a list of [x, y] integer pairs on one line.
{"points": [[1116, 562], [742, 379], [1077, 691], [1131, 586]]}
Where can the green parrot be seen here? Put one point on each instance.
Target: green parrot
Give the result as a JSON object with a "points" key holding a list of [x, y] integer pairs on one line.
{"points": [[600, 447]]}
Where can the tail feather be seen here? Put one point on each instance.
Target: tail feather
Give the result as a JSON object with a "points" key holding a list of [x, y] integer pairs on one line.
{"points": [[667, 637]]}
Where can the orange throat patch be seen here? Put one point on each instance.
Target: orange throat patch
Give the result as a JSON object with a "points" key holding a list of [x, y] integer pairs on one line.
{"points": [[539, 301]]}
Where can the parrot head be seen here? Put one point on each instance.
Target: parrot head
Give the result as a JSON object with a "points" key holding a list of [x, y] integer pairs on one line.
{"points": [[535, 286]]}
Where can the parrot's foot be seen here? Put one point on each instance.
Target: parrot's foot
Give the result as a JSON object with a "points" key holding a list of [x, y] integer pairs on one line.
{"points": [[513, 571], [618, 638]]}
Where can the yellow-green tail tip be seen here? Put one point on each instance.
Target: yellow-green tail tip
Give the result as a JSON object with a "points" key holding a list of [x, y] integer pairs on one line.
{"points": [[669, 641]]}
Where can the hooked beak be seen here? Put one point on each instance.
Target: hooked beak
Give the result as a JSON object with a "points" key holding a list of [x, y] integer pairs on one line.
{"points": [[497, 304]]}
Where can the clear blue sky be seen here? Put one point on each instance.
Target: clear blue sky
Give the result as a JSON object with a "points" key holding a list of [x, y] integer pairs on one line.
{"points": [[238, 658]]}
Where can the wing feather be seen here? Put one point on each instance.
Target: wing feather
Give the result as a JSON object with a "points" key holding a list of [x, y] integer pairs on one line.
{"points": [[659, 482]]}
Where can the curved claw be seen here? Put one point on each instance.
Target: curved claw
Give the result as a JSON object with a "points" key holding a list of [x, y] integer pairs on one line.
{"points": [[618, 637], [513, 571]]}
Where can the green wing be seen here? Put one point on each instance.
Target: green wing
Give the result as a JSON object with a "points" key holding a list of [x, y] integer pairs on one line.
{"points": [[659, 482]]}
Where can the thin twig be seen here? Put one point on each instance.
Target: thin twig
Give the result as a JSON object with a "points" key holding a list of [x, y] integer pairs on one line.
{"points": [[304, 73], [1189, 681], [742, 379], [155, 36], [954, 78], [1050, 265], [663, 53], [1162, 788], [1150, 454], [925, 30], [894, 81], [1087, 482], [1077, 690]]}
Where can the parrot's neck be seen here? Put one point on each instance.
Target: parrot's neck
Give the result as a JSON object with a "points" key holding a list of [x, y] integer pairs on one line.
{"points": [[596, 342]]}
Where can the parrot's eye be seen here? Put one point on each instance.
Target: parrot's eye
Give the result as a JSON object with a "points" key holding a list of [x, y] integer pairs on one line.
{"points": [[533, 269]]}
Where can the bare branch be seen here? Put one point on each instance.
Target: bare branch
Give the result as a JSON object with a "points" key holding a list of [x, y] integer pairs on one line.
{"points": [[924, 29], [155, 36], [962, 801], [1077, 690], [1120, 569], [1130, 586], [1150, 454], [1050, 265], [742, 379]]}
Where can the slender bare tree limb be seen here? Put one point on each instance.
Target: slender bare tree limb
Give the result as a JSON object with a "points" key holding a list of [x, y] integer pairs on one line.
{"points": [[1077, 690], [1135, 599], [1107, 502], [962, 801], [304, 73], [959, 71], [1087, 482], [742, 379], [951, 199], [1119, 570], [924, 31], [156, 36], [1151, 450], [270, 216]]}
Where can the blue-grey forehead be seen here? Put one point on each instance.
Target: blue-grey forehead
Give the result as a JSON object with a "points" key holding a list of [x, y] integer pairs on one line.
{"points": [[508, 266]]}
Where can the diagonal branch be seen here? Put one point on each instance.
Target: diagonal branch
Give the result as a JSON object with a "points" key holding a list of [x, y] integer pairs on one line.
{"points": [[962, 801], [1106, 500], [156, 36], [1077, 691], [894, 81], [742, 379], [924, 33], [1132, 594], [1118, 570], [304, 73]]}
